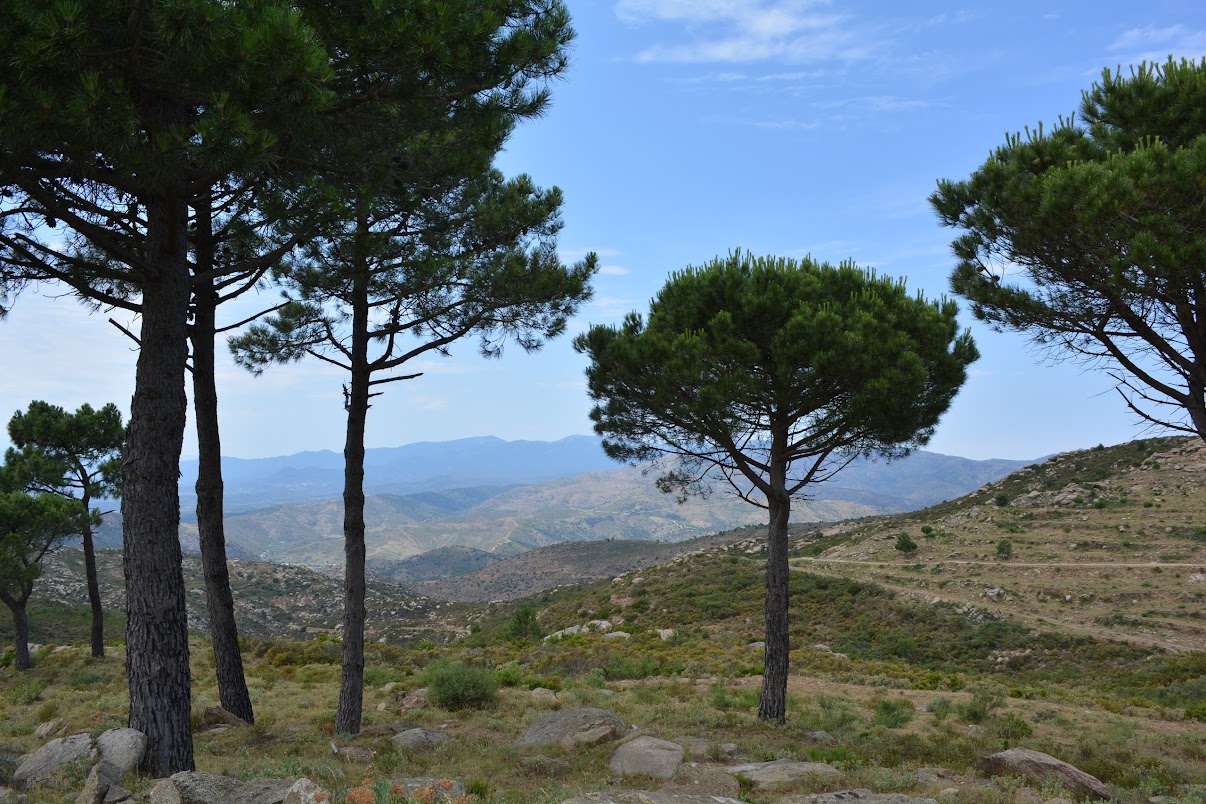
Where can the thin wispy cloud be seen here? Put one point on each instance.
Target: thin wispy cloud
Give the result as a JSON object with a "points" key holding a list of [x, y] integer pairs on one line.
{"points": [[613, 270], [1155, 43], [742, 31]]}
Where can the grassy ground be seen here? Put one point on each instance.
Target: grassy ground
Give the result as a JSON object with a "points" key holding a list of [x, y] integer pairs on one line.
{"points": [[907, 660]]}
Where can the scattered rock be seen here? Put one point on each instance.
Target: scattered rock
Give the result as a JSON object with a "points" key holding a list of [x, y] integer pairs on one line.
{"points": [[190, 787], [579, 725], [702, 780], [103, 776], [419, 738], [861, 795], [416, 700], [1027, 795], [647, 756], [122, 748], [305, 791], [356, 753], [217, 716], [41, 766], [620, 635], [543, 765], [697, 747], [440, 790], [664, 633], [9, 797], [935, 775], [645, 797], [50, 728], [1037, 768], [781, 771], [821, 737]]}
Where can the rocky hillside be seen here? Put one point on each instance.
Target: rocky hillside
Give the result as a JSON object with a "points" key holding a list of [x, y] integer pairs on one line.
{"points": [[1108, 542]]}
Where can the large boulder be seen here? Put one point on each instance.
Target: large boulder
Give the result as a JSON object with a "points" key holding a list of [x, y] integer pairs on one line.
{"points": [[780, 772], [122, 748], [41, 766], [189, 787], [305, 791], [1037, 768], [646, 797], [580, 725], [647, 756]]}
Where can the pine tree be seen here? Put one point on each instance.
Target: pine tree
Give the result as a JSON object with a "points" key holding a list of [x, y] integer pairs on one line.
{"points": [[771, 375]]}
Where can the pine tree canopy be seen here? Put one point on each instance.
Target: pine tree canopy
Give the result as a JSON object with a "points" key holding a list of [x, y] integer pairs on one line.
{"points": [[1089, 237]]}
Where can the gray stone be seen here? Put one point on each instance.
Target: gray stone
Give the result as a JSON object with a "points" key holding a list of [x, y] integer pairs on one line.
{"points": [[122, 748], [443, 789], [217, 716], [647, 756], [11, 797], [598, 725], [545, 766], [1027, 795], [1039, 768], [49, 729], [118, 794], [935, 775], [781, 771], [646, 797], [419, 738], [821, 737], [189, 787], [305, 791], [702, 780], [102, 776], [860, 795], [697, 747], [41, 766], [356, 753]]}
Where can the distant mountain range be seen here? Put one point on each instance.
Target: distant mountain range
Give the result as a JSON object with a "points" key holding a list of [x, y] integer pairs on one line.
{"points": [[253, 483], [506, 497]]}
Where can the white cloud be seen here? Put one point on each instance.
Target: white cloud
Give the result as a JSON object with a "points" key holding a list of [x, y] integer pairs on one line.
{"points": [[1153, 43], [737, 31], [613, 270]]}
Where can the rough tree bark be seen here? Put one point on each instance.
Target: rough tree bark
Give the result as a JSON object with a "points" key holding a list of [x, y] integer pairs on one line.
{"points": [[773, 703], [94, 598], [21, 628], [351, 691], [224, 631], [157, 650]]}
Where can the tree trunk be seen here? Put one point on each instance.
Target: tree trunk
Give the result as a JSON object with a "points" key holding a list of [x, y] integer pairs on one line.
{"points": [[351, 691], [21, 630], [94, 598], [219, 601], [157, 624], [773, 704]]}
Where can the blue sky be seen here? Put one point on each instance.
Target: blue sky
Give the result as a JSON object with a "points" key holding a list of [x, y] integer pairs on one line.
{"points": [[688, 128]]}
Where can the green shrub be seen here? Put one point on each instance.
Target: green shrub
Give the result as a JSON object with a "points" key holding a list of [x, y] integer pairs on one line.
{"points": [[1001, 500], [1012, 728], [940, 707], [904, 544], [1004, 548], [454, 685], [893, 713], [927, 529], [985, 699]]}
